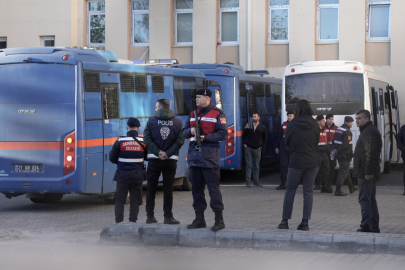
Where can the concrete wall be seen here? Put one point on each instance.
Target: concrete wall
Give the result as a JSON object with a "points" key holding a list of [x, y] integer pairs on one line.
{"points": [[327, 51], [205, 31], [161, 25], [118, 28]]}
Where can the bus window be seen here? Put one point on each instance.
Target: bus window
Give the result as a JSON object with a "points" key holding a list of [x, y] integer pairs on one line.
{"points": [[92, 82], [110, 101], [218, 98], [259, 89], [127, 83], [158, 85], [242, 89], [270, 102], [141, 83], [381, 100], [260, 100], [184, 95], [252, 103]]}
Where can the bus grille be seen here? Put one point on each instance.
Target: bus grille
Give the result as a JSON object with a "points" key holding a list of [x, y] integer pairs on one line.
{"points": [[92, 82]]}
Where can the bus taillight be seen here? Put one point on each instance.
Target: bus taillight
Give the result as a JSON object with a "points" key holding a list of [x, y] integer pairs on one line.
{"points": [[230, 141], [69, 156]]}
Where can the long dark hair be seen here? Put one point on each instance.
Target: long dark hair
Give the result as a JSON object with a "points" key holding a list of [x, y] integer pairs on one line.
{"points": [[303, 108]]}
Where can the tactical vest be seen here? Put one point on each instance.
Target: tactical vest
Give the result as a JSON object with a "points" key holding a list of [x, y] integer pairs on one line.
{"points": [[338, 141], [208, 122], [164, 133], [323, 140], [131, 154], [330, 133]]}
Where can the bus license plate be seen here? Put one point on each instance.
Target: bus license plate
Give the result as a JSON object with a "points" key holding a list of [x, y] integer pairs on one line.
{"points": [[28, 168]]}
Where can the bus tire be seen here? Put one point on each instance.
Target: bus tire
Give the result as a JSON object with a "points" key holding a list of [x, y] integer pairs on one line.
{"points": [[387, 166], [48, 198], [186, 182]]}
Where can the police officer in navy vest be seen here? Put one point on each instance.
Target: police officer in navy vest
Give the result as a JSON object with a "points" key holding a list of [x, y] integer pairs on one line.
{"points": [[163, 135], [204, 164], [283, 151], [128, 153], [343, 153]]}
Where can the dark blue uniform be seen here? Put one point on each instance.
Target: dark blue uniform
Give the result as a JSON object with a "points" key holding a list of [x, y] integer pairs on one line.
{"points": [[130, 173], [204, 165], [343, 144]]}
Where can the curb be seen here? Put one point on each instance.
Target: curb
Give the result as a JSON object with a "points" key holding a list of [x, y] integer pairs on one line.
{"points": [[169, 235]]}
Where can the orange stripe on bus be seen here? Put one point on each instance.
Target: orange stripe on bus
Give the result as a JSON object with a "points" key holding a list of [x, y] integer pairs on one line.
{"points": [[96, 142], [238, 133], [31, 145]]}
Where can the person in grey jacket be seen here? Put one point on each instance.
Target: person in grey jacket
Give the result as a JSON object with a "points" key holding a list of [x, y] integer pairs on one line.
{"points": [[366, 167], [302, 137]]}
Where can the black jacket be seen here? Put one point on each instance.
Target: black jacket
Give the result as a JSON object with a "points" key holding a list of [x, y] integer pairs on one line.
{"points": [[367, 152], [401, 141], [302, 137], [254, 138]]}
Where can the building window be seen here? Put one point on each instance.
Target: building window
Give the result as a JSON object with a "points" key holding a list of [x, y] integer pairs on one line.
{"points": [[140, 22], [48, 41], [183, 17], [278, 20], [96, 23], [328, 20], [3, 43], [228, 32], [378, 22]]}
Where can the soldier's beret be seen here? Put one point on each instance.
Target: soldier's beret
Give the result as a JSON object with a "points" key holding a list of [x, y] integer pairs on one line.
{"points": [[329, 115], [349, 119], [133, 122], [319, 117], [204, 92]]}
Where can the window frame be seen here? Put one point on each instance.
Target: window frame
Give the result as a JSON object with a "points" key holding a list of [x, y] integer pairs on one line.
{"points": [[89, 13], [4, 39], [220, 11], [318, 22], [44, 38], [182, 11], [278, 7], [368, 20], [133, 13]]}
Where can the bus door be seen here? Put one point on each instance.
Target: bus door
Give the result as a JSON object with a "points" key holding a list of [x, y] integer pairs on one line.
{"points": [[394, 104], [378, 118], [243, 107], [111, 131], [216, 90]]}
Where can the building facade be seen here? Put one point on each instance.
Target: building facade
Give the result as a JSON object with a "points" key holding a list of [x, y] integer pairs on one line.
{"points": [[256, 34]]}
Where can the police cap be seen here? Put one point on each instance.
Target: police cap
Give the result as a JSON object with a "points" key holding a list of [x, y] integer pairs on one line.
{"points": [[204, 92], [329, 115], [349, 119], [133, 122], [290, 112], [319, 117]]}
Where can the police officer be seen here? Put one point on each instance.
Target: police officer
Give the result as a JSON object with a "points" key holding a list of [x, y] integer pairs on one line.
{"points": [[330, 130], [284, 153], [163, 135], [128, 153], [204, 162], [343, 153], [323, 152]]}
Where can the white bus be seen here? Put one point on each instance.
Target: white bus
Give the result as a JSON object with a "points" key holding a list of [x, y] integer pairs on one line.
{"points": [[341, 88]]}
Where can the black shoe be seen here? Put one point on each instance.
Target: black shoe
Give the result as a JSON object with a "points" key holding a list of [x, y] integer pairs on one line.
{"points": [[257, 185], [303, 225], [118, 221], [353, 189], [171, 220], [281, 187], [150, 220], [283, 225], [219, 222], [132, 220], [339, 192], [317, 187], [376, 230], [249, 184], [325, 189], [404, 192], [364, 229], [199, 221]]}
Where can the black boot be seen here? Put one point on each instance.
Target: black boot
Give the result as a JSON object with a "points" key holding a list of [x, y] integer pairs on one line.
{"points": [[283, 224], [281, 186], [170, 220], [199, 221], [339, 192], [317, 187], [325, 189], [303, 225], [404, 192], [219, 222], [353, 188], [151, 219]]}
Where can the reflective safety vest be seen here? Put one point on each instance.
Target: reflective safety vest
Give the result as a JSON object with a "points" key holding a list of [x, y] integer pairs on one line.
{"points": [[330, 133], [208, 123], [131, 154], [323, 140]]}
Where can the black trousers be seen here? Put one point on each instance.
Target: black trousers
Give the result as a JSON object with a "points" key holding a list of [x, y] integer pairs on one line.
{"points": [[370, 218], [284, 160], [199, 177], [168, 169], [323, 173], [344, 173], [332, 166], [404, 171], [135, 200]]}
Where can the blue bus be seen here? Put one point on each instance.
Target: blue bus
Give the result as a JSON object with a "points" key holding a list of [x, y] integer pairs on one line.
{"points": [[239, 94], [62, 110]]}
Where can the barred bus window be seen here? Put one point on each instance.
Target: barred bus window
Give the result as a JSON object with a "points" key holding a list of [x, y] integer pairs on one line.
{"points": [[252, 103], [110, 102], [141, 83], [127, 83], [259, 89], [242, 89], [92, 82], [158, 85], [184, 95]]}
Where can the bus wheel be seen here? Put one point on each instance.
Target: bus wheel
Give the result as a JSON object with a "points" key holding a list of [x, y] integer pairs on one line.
{"points": [[387, 166], [48, 198], [186, 182]]}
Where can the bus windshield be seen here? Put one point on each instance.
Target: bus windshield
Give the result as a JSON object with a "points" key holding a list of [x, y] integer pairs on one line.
{"points": [[332, 87]]}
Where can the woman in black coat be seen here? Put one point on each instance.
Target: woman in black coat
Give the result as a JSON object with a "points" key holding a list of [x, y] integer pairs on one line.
{"points": [[302, 137]]}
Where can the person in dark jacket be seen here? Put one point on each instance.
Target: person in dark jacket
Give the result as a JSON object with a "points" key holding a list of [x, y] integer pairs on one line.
{"points": [[163, 135], [366, 167], [302, 138], [330, 129], [324, 155], [204, 161], [128, 153], [283, 151], [254, 138], [401, 146]]}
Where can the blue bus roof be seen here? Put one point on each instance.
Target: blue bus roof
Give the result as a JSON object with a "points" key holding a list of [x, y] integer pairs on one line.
{"points": [[214, 69]]}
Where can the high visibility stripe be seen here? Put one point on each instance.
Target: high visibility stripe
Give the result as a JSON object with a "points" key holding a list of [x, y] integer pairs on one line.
{"points": [[192, 139], [322, 143], [130, 159], [208, 119], [31, 145], [284, 127], [350, 142], [342, 129], [129, 139], [338, 142], [331, 131], [192, 119], [323, 134]]}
